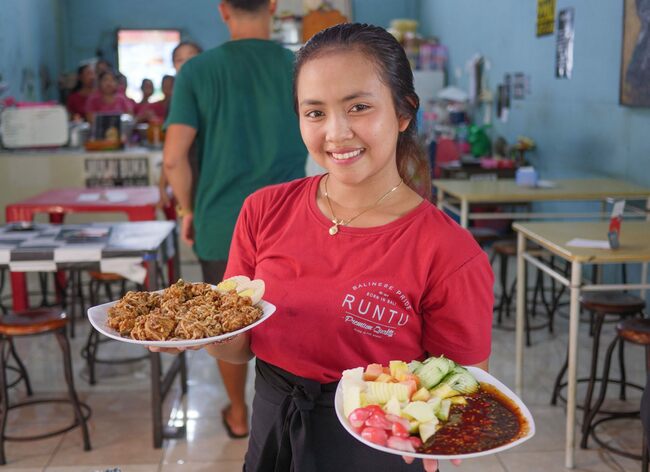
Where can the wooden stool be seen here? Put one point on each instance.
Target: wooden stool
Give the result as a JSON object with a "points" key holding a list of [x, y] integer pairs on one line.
{"points": [[105, 280], [621, 304], [29, 323], [635, 331]]}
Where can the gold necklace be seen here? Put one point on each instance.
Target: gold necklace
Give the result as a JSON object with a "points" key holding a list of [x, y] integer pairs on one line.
{"points": [[337, 222]]}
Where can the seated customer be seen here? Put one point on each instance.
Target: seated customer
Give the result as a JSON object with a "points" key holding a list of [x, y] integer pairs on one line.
{"points": [[76, 102], [143, 109], [160, 108], [108, 99]]}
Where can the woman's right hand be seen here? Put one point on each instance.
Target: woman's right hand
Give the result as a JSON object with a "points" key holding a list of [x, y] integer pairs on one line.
{"points": [[174, 350]]}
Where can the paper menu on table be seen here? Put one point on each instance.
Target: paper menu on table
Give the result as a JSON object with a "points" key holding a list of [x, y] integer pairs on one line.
{"points": [[115, 196], [589, 243], [88, 197]]}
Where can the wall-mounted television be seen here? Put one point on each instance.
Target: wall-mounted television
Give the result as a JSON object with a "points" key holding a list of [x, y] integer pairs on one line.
{"points": [[145, 54]]}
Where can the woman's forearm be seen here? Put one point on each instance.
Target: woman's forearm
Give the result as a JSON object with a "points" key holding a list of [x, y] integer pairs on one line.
{"points": [[236, 351]]}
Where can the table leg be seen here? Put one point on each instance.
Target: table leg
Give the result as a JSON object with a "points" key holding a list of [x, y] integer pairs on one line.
{"points": [[644, 277], [19, 291], [441, 199], [156, 398], [521, 307], [57, 218], [160, 385], [574, 318]]}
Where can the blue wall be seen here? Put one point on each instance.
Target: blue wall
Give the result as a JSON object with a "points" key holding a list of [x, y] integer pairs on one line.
{"points": [[29, 46], [578, 123], [91, 25]]}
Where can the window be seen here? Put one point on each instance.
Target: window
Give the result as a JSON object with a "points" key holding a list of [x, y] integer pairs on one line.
{"points": [[145, 54]]}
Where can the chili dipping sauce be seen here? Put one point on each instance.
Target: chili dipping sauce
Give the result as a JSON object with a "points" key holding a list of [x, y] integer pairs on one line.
{"points": [[489, 420]]}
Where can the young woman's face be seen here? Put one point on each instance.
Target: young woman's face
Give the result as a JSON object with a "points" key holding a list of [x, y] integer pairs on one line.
{"points": [[87, 76], [147, 88], [183, 54], [167, 86], [108, 85], [347, 117]]}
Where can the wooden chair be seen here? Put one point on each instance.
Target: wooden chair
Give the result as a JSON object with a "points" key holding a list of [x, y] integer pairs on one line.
{"points": [[34, 322]]}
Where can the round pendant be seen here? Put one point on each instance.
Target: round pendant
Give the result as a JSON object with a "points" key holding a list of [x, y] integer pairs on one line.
{"points": [[333, 230]]}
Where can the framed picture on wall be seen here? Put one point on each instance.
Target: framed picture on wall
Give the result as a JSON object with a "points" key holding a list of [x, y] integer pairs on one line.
{"points": [[635, 57]]}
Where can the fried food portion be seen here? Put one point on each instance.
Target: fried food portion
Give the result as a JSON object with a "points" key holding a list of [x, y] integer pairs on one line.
{"points": [[182, 311]]}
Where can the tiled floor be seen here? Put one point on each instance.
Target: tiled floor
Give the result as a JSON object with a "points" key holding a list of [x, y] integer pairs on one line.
{"points": [[121, 432]]}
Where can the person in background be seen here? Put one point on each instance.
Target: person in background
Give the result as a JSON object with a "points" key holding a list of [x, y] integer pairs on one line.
{"points": [[333, 246], [108, 99], [76, 102], [235, 100], [122, 85], [142, 109], [161, 107], [182, 53], [102, 65]]}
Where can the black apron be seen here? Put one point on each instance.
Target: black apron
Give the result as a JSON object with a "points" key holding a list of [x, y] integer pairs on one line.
{"points": [[295, 429]]}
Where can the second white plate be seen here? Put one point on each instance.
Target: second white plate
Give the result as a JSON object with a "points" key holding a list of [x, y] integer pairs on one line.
{"points": [[479, 375]]}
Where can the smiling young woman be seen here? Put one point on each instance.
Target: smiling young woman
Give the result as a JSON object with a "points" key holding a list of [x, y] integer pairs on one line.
{"points": [[361, 266]]}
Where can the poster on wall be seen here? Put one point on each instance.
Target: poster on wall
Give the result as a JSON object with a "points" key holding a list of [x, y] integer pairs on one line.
{"points": [[545, 17], [519, 86], [635, 58], [564, 44]]}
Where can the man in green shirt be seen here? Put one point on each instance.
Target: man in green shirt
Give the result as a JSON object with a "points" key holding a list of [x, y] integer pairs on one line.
{"points": [[236, 102]]}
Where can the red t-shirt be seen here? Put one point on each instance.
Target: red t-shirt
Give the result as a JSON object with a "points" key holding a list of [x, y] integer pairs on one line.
{"points": [[76, 103], [120, 104], [418, 284]]}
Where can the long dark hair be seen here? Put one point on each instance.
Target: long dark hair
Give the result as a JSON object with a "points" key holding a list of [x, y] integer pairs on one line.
{"points": [[79, 85], [395, 71]]}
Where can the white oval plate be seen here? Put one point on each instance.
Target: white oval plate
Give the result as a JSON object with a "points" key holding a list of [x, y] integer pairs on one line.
{"points": [[482, 377], [98, 316]]}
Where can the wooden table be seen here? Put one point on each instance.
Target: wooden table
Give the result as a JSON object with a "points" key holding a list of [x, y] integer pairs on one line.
{"points": [[138, 203], [634, 248], [507, 192]]}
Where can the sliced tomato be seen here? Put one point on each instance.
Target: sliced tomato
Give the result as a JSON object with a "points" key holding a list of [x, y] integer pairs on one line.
{"points": [[379, 421], [401, 444], [375, 435], [399, 430], [375, 409], [359, 416], [398, 419]]}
